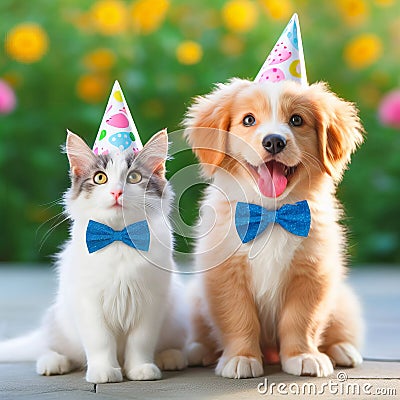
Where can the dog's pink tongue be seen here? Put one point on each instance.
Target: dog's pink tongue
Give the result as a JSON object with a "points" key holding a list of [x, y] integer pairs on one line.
{"points": [[272, 181]]}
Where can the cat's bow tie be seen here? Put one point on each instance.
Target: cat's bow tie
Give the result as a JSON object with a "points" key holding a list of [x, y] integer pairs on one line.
{"points": [[99, 236], [251, 220]]}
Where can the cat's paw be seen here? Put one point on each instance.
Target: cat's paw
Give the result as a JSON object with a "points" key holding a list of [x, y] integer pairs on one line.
{"points": [[53, 363], [310, 364], [199, 354], [171, 360], [144, 372], [101, 374], [345, 355], [239, 367]]}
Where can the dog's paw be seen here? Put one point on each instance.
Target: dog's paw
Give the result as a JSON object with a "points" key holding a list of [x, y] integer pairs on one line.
{"points": [[102, 374], [53, 363], [171, 360], [310, 364], [199, 355], [144, 372], [345, 355], [239, 367]]}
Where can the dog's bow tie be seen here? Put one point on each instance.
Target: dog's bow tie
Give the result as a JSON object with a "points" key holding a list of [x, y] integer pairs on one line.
{"points": [[251, 220], [99, 236]]}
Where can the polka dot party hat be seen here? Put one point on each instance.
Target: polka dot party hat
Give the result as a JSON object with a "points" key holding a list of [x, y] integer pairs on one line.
{"points": [[286, 60], [117, 132]]}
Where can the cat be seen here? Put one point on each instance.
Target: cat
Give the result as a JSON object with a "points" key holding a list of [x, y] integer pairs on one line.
{"points": [[117, 306]]}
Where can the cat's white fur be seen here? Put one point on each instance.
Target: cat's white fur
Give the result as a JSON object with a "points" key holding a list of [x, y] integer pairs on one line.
{"points": [[116, 307]]}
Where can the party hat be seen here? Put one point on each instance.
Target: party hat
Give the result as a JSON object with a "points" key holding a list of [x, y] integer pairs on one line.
{"points": [[117, 132], [286, 60]]}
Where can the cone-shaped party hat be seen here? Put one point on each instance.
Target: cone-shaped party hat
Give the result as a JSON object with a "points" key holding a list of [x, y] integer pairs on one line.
{"points": [[286, 60], [117, 132]]}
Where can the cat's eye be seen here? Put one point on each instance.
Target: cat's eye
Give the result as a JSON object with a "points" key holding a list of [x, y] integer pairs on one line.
{"points": [[100, 178], [296, 120], [134, 177], [249, 120]]}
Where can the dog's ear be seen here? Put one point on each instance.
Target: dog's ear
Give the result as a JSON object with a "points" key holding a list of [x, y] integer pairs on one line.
{"points": [[207, 124], [339, 130]]}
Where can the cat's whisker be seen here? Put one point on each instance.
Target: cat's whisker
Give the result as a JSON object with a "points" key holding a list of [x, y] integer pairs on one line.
{"points": [[58, 201], [62, 216], [58, 215], [50, 231]]}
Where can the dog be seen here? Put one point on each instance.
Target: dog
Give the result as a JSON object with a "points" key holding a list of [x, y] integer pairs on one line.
{"points": [[280, 297]]}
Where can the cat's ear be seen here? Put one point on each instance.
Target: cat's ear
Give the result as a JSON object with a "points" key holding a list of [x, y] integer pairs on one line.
{"points": [[80, 156], [155, 153]]}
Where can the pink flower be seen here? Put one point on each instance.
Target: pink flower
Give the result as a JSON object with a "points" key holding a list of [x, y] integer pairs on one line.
{"points": [[8, 100], [389, 109]]}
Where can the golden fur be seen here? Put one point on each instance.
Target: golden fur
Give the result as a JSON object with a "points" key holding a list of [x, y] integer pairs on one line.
{"points": [[291, 297]]}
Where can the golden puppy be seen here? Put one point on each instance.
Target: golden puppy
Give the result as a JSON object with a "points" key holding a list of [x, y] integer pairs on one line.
{"points": [[271, 145]]}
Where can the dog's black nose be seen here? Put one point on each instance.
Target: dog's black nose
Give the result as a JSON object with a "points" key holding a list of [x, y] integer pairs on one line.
{"points": [[274, 143]]}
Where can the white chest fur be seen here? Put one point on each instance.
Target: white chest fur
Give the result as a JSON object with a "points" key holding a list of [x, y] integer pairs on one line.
{"points": [[270, 257], [123, 295], [270, 254], [118, 281]]}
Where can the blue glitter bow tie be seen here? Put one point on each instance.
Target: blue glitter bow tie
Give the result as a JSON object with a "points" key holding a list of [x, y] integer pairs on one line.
{"points": [[99, 236], [251, 220]]}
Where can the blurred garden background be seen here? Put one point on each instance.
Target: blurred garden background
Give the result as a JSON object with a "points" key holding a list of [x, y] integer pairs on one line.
{"points": [[59, 59]]}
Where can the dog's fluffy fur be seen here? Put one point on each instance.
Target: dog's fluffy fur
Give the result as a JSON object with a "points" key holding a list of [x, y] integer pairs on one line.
{"points": [[279, 293]]}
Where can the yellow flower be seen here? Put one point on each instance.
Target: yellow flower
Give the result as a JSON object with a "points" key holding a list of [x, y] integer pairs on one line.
{"points": [[109, 17], [148, 15], [240, 15], [231, 45], [100, 59], [27, 43], [189, 52], [363, 51], [278, 9], [92, 88], [353, 11]]}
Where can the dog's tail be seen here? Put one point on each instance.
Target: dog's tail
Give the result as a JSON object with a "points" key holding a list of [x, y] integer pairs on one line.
{"points": [[23, 348]]}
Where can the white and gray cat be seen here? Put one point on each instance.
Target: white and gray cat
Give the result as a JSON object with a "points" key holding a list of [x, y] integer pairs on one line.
{"points": [[118, 306]]}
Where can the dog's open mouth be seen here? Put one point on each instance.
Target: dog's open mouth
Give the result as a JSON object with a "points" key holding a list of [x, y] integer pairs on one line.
{"points": [[273, 177]]}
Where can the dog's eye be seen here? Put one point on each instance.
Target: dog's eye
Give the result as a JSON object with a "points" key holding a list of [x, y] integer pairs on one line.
{"points": [[296, 120], [249, 120]]}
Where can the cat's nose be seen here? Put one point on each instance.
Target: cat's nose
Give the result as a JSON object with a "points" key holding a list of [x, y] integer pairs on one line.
{"points": [[116, 193]]}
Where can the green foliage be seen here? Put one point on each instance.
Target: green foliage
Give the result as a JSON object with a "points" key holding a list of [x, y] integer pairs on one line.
{"points": [[159, 88]]}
